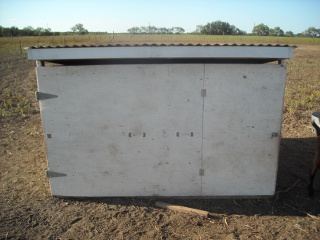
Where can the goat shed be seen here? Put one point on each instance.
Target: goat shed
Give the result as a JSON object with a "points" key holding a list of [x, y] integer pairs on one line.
{"points": [[162, 120]]}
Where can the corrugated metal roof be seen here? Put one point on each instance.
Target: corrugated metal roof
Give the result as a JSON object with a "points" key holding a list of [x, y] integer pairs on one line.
{"points": [[160, 53], [162, 45]]}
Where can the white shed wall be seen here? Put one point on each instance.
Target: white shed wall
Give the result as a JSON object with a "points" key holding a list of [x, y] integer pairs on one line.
{"points": [[243, 108], [148, 130]]}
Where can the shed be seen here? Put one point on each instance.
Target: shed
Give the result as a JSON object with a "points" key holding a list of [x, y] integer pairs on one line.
{"points": [[162, 120]]}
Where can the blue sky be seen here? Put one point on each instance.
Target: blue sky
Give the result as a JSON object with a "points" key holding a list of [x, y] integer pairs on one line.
{"points": [[119, 15]]}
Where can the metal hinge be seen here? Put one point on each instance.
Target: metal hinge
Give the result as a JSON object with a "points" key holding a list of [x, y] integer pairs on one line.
{"points": [[275, 134], [282, 63], [40, 63], [50, 174], [44, 96], [201, 172], [203, 92]]}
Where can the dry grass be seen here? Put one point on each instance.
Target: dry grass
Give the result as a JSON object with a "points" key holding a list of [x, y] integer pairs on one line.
{"points": [[302, 96], [29, 212], [17, 45]]}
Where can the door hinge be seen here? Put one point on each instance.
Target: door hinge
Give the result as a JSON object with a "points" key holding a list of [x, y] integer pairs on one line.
{"points": [[201, 172], [203, 92], [44, 96], [51, 174], [275, 134]]}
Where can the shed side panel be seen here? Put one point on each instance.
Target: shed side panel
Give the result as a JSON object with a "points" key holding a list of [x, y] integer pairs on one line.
{"points": [[243, 108], [123, 130]]}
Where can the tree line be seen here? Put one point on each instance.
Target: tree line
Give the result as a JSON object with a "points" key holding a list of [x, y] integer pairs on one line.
{"points": [[39, 31], [155, 30], [224, 28], [213, 28], [27, 31], [219, 28], [264, 30]]}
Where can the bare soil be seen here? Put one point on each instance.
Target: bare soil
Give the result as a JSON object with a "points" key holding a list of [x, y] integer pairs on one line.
{"points": [[28, 211]]}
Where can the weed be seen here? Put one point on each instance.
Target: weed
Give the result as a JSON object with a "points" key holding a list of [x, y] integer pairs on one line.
{"points": [[14, 104], [302, 88]]}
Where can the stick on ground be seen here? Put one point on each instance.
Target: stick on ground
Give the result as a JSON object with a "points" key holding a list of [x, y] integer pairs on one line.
{"points": [[185, 209]]}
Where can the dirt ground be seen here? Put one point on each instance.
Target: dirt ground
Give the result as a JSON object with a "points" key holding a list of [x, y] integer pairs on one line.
{"points": [[28, 211]]}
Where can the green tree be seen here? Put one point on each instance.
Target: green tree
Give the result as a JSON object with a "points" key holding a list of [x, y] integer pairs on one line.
{"points": [[5, 32], [28, 31], [289, 34], [151, 29], [39, 31], [198, 29], [43, 31], [155, 30], [134, 30], [163, 30], [178, 30], [79, 28], [237, 31], [261, 30], [219, 28], [312, 32], [14, 31], [277, 31], [271, 32], [143, 29], [47, 32]]}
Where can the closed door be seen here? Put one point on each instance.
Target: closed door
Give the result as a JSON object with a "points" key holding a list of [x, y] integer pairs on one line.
{"points": [[241, 129], [123, 130]]}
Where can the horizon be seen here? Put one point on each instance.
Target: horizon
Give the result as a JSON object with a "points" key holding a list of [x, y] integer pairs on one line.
{"points": [[118, 17]]}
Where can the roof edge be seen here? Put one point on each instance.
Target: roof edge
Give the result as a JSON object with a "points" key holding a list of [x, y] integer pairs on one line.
{"points": [[163, 45]]}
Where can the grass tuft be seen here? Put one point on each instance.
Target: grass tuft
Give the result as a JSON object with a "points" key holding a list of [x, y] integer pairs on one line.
{"points": [[14, 104]]}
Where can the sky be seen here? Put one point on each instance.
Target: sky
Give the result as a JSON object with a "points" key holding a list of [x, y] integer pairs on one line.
{"points": [[120, 15]]}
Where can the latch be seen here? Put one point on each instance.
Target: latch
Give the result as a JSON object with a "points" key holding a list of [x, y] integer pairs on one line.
{"points": [[44, 96], [51, 174]]}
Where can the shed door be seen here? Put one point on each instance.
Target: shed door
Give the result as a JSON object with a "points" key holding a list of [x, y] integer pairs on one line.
{"points": [[123, 130], [242, 108]]}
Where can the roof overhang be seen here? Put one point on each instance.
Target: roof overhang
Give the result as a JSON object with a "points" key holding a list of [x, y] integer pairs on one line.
{"points": [[229, 52]]}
